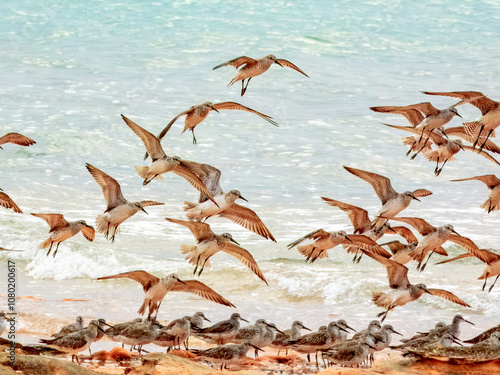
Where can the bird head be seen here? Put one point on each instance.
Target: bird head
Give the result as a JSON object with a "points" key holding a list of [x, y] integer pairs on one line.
{"points": [[423, 287], [140, 207], [229, 237]]}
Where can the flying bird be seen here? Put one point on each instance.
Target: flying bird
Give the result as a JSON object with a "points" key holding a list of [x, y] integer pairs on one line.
{"points": [[251, 68], [493, 183], [156, 289], [60, 230], [118, 209], [17, 139], [197, 113], [7, 202]]}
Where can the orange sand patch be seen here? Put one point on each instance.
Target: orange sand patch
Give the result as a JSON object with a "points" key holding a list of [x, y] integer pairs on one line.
{"points": [[24, 297], [75, 300]]}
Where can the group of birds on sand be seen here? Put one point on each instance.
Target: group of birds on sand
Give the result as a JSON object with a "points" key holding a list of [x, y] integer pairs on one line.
{"points": [[233, 341]]}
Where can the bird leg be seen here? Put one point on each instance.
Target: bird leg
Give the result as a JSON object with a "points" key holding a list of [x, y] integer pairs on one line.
{"points": [[478, 136], [491, 287], [55, 252], [114, 233], [243, 89], [437, 173], [194, 138], [383, 314], [50, 248], [429, 257], [202, 267], [484, 143], [485, 280], [107, 232]]}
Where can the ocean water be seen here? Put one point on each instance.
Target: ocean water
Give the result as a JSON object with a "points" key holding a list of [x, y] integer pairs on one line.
{"points": [[69, 69]]}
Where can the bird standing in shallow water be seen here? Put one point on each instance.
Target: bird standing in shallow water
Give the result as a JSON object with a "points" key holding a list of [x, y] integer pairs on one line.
{"points": [[252, 68]]}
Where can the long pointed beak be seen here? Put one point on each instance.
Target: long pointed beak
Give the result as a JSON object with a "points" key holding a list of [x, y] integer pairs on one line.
{"points": [[244, 320], [467, 321], [109, 325], [427, 291], [243, 198], [206, 319], [143, 210], [233, 240], [215, 109], [307, 329], [100, 329], [276, 62], [179, 280], [372, 346], [457, 342], [350, 328], [343, 329], [414, 197], [348, 239], [390, 228], [456, 233], [257, 348], [397, 333]]}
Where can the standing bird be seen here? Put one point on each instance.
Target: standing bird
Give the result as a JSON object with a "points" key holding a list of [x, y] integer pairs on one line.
{"points": [[403, 291], [493, 183], [197, 113], [490, 110], [283, 339], [60, 230], [209, 243], [17, 139], [392, 201], [156, 289], [73, 327], [7, 202], [224, 205], [119, 209], [433, 238], [252, 68], [161, 162], [221, 332]]}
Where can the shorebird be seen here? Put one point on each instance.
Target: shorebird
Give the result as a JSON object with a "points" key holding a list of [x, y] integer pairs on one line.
{"points": [[373, 328], [252, 68], [140, 334], [180, 329], [222, 331], [254, 334], [404, 291], [282, 340], [60, 230], [324, 241], [490, 110], [460, 131], [73, 327], [349, 355], [75, 342], [118, 209], [392, 201], [114, 332], [161, 162], [7, 202], [156, 289], [362, 225], [101, 332], [17, 139], [224, 205], [226, 354], [197, 113], [454, 327], [198, 318], [485, 335], [208, 244], [493, 183], [491, 259], [433, 238]]}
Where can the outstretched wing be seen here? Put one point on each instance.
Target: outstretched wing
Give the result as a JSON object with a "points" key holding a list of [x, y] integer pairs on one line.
{"points": [[200, 289], [421, 225], [358, 216], [396, 272], [413, 115], [482, 153], [17, 139], [460, 131], [54, 220], [201, 231], [209, 175], [7, 202], [110, 187], [169, 125], [289, 64], [381, 184], [185, 172], [447, 295], [315, 234], [153, 146], [144, 278], [236, 62], [244, 257], [247, 219], [88, 232], [237, 106], [477, 99], [489, 179]]}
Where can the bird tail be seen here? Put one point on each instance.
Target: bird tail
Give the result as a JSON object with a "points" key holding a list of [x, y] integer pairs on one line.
{"points": [[142, 171], [192, 213], [45, 244], [142, 309], [102, 225], [381, 299], [311, 252], [191, 252], [490, 205]]}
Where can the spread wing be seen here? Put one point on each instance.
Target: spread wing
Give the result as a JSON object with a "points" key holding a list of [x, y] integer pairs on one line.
{"points": [[477, 99], [421, 193], [201, 231], [88, 232], [185, 171], [315, 234], [482, 153], [144, 278], [366, 243], [288, 64], [153, 146], [413, 115], [151, 203], [490, 180], [55, 221], [200, 289], [247, 219], [459, 131], [447, 295], [462, 256], [234, 105], [209, 175], [426, 108], [423, 227], [406, 233], [358, 216], [244, 257], [17, 139], [169, 125], [7, 202], [237, 62], [110, 187], [381, 185], [396, 272]]}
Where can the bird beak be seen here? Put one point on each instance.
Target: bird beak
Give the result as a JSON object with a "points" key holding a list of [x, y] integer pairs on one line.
{"points": [[109, 325], [414, 197], [206, 319], [307, 329], [348, 239], [142, 209], [179, 280], [350, 328], [194, 326], [215, 109], [243, 198], [343, 329], [456, 233], [390, 228], [276, 62], [244, 320], [256, 348], [233, 240], [457, 341], [100, 329], [397, 333], [467, 321], [372, 346], [427, 291]]}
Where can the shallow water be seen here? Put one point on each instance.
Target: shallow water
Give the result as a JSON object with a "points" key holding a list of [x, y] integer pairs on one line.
{"points": [[70, 70]]}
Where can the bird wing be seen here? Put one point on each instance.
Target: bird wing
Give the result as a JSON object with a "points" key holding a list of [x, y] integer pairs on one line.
{"points": [[489, 179], [153, 146], [381, 184], [200, 289], [208, 174], [7, 202], [470, 246], [151, 203], [459, 131], [234, 105], [477, 99], [405, 128], [482, 153], [447, 295], [201, 231], [426, 108], [144, 278], [247, 219], [17, 139], [395, 246], [421, 225], [244, 257], [169, 125], [396, 272], [358, 216], [315, 234], [237, 62], [366, 243], [185, 172], [289, 64], [414, 116], [54, 220], [406, 233], [462, 256], [88, 232], [110, 187], [421, 193]]}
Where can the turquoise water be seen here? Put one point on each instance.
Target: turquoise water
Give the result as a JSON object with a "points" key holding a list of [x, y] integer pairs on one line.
{"points": [[71, 68]]}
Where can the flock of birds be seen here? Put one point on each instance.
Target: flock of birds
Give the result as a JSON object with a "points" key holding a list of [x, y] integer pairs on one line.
{"points": [[430, 139]]}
